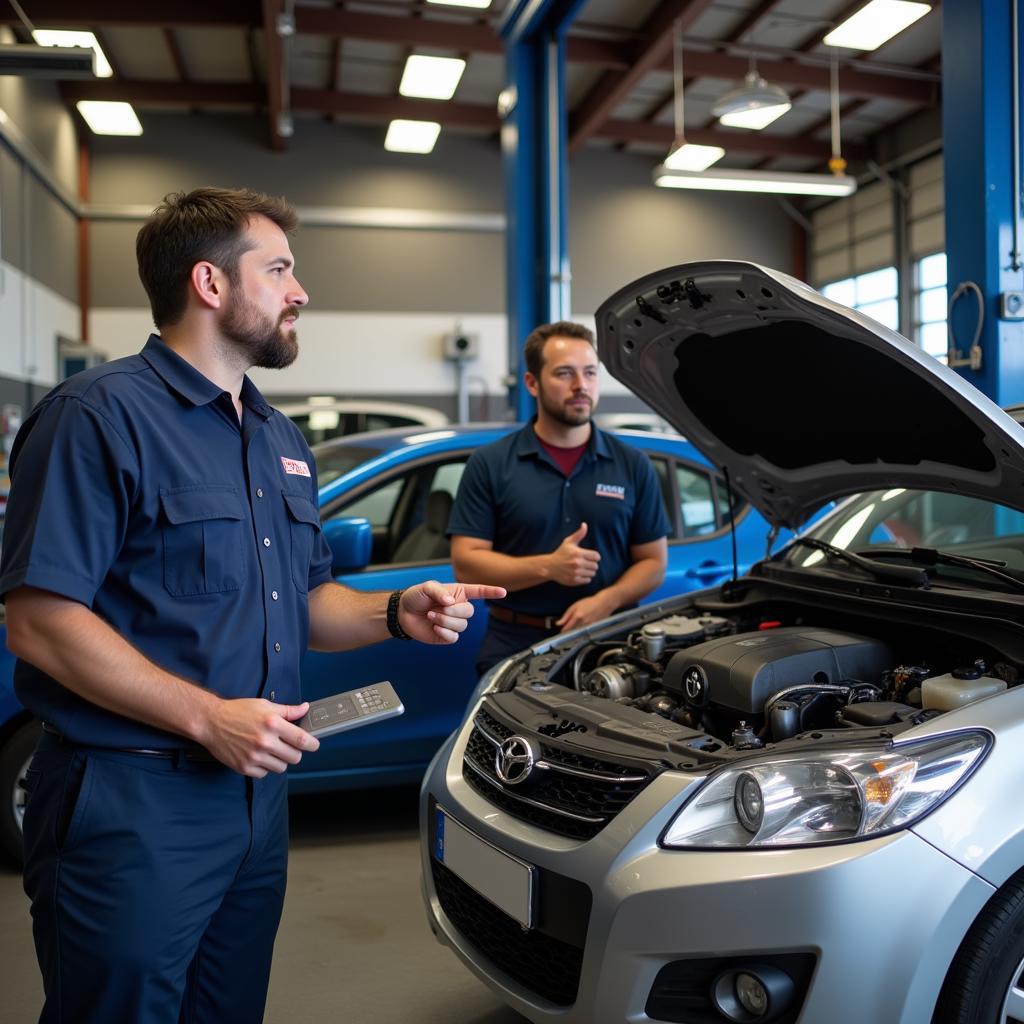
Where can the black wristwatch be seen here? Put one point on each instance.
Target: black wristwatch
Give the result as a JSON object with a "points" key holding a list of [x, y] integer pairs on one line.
{"points": [[394, 626]]}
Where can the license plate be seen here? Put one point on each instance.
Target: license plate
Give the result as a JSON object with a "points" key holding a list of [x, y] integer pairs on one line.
{"points": [[499, 877]]}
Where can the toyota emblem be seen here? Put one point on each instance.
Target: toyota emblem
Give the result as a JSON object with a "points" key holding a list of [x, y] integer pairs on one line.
{"points": [[696, 686], [514, 760]]}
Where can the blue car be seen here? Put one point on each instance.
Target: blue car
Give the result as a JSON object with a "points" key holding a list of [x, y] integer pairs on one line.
{"points": [[384, 502]]}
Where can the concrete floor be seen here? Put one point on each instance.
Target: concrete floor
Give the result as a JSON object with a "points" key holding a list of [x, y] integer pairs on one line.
{"points": [[354, 944]]}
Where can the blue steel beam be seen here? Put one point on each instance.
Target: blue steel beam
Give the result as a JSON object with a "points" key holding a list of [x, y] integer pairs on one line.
{"points": [[534, 139], [982, 209]]}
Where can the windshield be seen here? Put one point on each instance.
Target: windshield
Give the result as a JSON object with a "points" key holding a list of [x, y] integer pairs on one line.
{"points": [[334, 460], [900, 518]]}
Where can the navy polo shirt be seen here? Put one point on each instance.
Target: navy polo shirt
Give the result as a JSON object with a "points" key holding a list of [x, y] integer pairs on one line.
{"points": [[513, 494], [136, 491]]}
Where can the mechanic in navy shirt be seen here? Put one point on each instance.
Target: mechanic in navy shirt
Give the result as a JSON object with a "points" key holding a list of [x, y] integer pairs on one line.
{"points": [[164, 570], [569, 518]]}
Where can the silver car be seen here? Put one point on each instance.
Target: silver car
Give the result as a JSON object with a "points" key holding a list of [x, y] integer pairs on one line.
{"points": [[795, 797]]}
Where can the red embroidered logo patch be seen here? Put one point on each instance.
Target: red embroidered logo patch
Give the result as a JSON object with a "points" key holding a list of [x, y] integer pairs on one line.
{"points": [[295, 467]]}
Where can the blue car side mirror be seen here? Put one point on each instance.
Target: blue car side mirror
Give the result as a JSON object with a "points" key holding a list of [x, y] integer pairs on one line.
{"points": [[351, 543]]}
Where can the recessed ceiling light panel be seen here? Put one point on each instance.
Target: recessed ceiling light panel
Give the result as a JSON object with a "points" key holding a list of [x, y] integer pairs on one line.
{"points": [[480, 4], [690, 157], [876, 23], [432, 78], [411, 136], [106, 117]]}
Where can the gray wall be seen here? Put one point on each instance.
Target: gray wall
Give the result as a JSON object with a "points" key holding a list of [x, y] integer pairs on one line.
{"points": [[38, 233], [621, 226], [326, 165]]}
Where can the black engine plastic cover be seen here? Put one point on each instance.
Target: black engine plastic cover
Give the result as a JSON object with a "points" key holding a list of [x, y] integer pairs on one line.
{"points": [[741, 672]]}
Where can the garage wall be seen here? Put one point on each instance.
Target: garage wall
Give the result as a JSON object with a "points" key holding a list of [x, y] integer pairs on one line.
{"points": [[381, 298], [38, 236]]}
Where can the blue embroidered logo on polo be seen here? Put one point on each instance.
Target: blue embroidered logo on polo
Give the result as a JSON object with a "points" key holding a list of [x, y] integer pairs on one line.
{"points": [[611, 491]]}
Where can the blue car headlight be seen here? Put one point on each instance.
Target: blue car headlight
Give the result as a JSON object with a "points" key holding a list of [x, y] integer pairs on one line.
{"points": [[826, 796]]}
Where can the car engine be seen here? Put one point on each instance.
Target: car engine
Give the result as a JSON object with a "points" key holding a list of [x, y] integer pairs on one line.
{"points": [[746, 688]]}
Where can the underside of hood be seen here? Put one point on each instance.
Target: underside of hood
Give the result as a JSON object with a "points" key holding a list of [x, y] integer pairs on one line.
{"points": [[800, 400]]}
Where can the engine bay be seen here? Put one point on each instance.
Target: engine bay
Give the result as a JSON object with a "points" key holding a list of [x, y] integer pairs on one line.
{"points": [[714, 685]]}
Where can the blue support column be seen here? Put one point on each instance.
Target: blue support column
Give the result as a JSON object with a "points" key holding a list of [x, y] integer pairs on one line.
{"points": [[982, 209], [534, 147]]}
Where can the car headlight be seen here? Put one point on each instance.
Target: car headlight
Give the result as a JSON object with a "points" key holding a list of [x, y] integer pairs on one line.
{"points": [[826, 796]]}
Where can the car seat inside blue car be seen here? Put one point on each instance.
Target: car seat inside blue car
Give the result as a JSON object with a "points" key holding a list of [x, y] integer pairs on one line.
{"points": [[428, 541]]}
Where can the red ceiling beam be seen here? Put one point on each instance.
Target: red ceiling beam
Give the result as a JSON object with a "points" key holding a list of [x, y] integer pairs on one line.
{"points": [[88, 13], [175, 94], [852, 81], [614, 86], [274, 50], [734, 142]]}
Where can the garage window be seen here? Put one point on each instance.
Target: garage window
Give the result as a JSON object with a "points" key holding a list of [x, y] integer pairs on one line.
{"points": [[930, 305], [874, 294]]}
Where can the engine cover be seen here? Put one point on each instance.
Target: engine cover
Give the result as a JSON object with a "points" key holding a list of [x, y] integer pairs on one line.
{"points": [[741, 672]]}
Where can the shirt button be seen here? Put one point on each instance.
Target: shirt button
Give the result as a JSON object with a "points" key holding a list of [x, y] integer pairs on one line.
{"points": [[259, 492], [273, 695], [273, 593], [277, 647], [266, 542]]}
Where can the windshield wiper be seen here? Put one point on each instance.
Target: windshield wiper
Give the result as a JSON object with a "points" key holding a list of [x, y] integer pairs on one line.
{"points": [[905, 575], [933, 556]]}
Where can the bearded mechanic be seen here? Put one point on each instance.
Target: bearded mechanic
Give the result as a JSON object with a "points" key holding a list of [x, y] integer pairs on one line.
{"points": [[164, 570], [569, 518]]}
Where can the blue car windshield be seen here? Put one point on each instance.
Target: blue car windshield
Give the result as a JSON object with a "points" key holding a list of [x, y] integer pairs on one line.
{"points": [[900, 518], [334, 460]]}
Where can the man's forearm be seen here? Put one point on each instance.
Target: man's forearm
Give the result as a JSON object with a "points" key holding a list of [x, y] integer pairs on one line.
{"points": [[637, 582], [73, 645], [341, 619], [515, 572]]}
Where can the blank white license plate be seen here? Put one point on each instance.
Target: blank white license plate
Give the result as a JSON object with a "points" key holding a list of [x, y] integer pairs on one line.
{"points": [[499, 877]]}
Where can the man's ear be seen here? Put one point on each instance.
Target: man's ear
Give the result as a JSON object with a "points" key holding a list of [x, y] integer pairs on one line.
{"points": [[531, 383], [208, 283]]}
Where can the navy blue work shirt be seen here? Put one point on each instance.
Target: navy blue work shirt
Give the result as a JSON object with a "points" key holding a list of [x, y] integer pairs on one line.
{"points": [[513, 494], [136, 491]]}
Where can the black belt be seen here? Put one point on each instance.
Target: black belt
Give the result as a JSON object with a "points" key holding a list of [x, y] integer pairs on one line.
{"points": [[171, 754], [548, 622]]}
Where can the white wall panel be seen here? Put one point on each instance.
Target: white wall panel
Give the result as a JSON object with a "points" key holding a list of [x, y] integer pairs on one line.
{"points": [[358, 353], [32, 316]]}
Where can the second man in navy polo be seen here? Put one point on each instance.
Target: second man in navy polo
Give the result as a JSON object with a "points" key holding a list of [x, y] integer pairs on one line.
{"points": [[566, 516]]}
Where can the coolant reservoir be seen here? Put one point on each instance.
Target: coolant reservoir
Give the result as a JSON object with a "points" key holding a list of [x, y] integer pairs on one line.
{"points": [[946, 692]]}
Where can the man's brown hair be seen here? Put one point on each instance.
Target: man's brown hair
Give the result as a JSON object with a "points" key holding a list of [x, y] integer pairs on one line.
{"points": [[188, 227], [533, 350]]}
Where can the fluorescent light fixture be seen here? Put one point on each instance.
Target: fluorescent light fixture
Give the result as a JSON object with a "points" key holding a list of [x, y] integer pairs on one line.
{"points": [[754, 104], [874, 23], [481, 4], [67, 37], [109, 118], [794, 183], [686, 156], [411, 136], [433, 78]]}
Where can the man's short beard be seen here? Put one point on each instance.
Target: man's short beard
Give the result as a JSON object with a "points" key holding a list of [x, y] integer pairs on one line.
{"points": [[260, 338], [561, 414]]}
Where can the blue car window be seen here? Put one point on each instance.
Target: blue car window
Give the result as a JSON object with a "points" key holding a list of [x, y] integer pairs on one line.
{"points": [[696, 502], [377, 505]]}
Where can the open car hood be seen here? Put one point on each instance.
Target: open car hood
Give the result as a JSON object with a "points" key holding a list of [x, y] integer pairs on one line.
{"points": [[798, 399]]}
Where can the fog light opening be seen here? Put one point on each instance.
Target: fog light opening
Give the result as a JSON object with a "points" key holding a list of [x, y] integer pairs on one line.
{"points": [[755, 993]]}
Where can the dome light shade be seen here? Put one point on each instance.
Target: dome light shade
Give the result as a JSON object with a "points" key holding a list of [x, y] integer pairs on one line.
{"points": [[754, 104]]}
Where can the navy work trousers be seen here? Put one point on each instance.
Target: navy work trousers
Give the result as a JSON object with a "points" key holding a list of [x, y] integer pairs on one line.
{"points": [[156, 886]]}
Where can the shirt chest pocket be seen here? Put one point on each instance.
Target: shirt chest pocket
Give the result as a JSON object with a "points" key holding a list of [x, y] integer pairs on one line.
{"points": [[303, 526], [202, 533]]}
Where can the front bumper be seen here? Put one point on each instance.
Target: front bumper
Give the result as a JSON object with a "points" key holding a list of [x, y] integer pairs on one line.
{"points": [[882, 918]]}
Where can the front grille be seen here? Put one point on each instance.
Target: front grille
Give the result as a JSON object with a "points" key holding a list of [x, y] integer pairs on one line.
{"points": [[568, 793], [541, 963]]}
